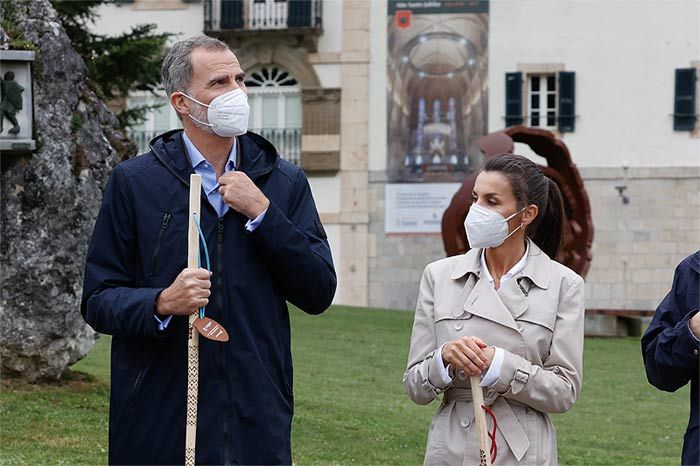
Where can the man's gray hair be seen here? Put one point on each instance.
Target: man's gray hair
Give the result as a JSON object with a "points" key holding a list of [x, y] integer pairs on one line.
{"points": [[176, 72]]}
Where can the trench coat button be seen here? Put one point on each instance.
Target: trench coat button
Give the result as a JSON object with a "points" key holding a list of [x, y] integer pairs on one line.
{"points": [[461, 375], [458, 325], [520, 327], [695, 351], [464, 423]]}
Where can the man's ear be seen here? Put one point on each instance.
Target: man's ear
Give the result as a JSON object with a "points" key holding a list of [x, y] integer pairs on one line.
{"points": [[179, 103], [530, 214]]}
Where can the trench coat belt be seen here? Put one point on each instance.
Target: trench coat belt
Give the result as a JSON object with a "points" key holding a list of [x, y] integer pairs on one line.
{"points": [[508, 424]]}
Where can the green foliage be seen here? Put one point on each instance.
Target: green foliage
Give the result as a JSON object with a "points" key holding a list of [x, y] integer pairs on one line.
{"points": [[17, 39], [136, 115], [116, 64], [126, 62], [350, 405], [76, 123]]}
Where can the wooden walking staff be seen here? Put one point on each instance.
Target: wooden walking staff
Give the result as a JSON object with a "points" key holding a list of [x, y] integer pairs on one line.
{"points": [[480, 419], [193, 334]]}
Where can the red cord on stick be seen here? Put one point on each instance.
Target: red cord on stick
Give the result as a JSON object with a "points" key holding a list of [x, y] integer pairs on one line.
{"points": [[492, 434]]}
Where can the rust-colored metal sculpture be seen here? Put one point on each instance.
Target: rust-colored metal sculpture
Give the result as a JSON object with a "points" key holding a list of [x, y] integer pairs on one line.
{"points": [[578, 225]]}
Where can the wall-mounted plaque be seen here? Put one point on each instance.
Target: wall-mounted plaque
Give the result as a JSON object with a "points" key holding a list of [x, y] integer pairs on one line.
{"points": [[16, 101]]}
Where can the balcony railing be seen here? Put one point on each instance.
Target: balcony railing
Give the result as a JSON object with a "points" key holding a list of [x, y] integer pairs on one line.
{"points": [[286, 140], [258, 15], [267, 15]]}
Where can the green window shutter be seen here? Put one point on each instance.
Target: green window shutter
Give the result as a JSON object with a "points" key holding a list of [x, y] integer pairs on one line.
{"points": [[567, 101], [514, 98], [684, 116], [231, 14], [299, 13]]}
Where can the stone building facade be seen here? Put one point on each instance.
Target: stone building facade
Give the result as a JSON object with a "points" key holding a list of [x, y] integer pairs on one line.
{"points": [[641, 175]]}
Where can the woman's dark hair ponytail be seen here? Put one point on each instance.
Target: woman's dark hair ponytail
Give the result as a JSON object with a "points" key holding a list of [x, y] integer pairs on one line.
{"points": [[549, 232], [531, 186]]}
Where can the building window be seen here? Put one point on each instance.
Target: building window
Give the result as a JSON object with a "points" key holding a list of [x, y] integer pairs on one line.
{"points": [[685, 108], [271, 76], [275, 109], [542, 95]]}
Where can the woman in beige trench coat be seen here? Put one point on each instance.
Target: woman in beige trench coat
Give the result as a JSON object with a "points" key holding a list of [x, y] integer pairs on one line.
{"points": [[504, 311]]}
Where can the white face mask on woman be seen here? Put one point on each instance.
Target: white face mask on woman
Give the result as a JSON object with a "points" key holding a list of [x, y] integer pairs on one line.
{"points": [[227, 114], [486, 228]]}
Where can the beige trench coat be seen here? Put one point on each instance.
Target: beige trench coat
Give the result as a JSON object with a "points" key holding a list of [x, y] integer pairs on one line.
{"points": [[537, 318]]}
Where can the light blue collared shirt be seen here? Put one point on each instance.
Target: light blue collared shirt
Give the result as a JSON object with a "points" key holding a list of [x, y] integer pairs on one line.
{"points": [[210, 185]]}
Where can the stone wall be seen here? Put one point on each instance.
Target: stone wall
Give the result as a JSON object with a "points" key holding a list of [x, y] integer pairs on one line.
{"points": [[396, 262], [638, 245]]}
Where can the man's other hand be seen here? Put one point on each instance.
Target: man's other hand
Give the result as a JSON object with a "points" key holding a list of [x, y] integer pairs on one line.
{"points": [[239, 192]]}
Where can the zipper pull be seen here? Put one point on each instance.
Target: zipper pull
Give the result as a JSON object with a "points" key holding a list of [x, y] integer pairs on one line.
{"points": [[166, 220], [220, 229]]}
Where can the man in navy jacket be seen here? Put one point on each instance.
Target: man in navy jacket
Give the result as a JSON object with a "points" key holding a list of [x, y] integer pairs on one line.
{"points": [[671, 345], [267, 247]]}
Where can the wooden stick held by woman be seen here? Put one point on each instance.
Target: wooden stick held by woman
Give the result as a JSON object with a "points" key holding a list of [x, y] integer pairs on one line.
{"points": [[480, 419]]}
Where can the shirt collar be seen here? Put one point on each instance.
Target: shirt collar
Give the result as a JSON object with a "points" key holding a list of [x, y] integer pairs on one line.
{"points": [[537, 268], [516, 269], [197, 158]]}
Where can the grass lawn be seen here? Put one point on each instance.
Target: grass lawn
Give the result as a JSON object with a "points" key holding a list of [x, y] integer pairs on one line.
{"points": [[350, 403]]}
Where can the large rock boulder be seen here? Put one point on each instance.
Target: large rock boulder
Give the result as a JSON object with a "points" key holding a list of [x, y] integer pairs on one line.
{"points": [[50, 199]]}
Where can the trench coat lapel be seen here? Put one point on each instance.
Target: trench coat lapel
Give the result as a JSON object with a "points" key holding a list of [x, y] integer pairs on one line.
{"points": [[478, 296], [457, 305], [469, 266], [484, 302], [514, 297], [511, 299], [538, 267]]}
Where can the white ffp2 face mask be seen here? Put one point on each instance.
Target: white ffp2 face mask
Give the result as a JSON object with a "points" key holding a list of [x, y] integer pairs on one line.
{"points": [[227, 113], [486, 228]]}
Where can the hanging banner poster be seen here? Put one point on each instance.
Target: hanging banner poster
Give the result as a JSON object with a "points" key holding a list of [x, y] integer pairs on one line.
{"points": [[437, 89], [416, 207]]}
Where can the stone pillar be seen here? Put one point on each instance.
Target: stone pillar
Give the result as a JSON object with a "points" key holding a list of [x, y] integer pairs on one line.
{"points": [[354, 139]]}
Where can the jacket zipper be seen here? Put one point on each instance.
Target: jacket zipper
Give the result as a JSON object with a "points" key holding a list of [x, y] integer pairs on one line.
{"points": [[224, 404], [163, 226]]}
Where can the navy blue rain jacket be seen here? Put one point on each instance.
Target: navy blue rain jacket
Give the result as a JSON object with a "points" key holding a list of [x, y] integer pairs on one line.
{"points": [[671, 352], [139, 246]]}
